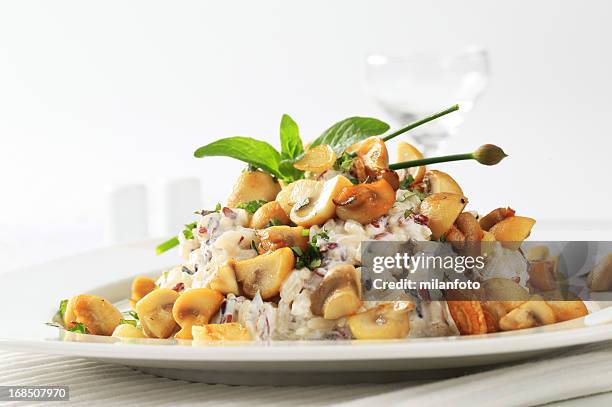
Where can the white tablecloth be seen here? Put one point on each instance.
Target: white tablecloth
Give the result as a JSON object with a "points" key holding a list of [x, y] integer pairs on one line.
{"points": [[572, 374]]}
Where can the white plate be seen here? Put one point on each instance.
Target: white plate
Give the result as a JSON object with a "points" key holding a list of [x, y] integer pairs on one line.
{"points": [[30, 297]]}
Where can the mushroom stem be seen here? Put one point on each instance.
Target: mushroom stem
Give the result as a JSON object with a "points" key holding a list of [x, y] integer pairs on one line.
{"points": [[420, 122]]}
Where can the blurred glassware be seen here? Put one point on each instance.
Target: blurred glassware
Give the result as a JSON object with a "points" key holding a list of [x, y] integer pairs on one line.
{"points": [[414, 86]]}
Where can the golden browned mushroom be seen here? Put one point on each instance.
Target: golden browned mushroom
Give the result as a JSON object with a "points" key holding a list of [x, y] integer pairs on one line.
{"points": [[269, 213], [372, 162], [141, 286], [253, 186], [128, 331], [600, 278], [364, 203], [221, 332], [155, 313], [542, 275], [408, 152], [512, 231], [318, 209], [468, 316], [338, 294], [438, 181], [298, 192], [385, 321], [532, 313], [224, 279], [195, 307], [442, 209], [276, 237], [99, 316], [265, 273], [496, 215]]}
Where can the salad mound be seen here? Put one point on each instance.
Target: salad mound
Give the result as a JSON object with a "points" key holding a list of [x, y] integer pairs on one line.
{"points": [[281, 259]]}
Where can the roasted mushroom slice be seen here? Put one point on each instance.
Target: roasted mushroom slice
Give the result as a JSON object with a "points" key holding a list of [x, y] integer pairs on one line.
{"points": [[532, 313], [221, 332], [438, 181], [496, 215], [317, 159], [600, 278], [385, 321], [468, 316], [265, 273], [155, 313], [276, 237], [224, 280], [408, 152], [253, 186], [512, 231], [298, 192], [195, 307], [268, 214], [99, 316], [318, 209], [365, 203], [141, 286], [127, 331], [442, 209], [338, 294]]}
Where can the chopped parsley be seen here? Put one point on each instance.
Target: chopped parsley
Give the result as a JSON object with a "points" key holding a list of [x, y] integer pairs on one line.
{"points": [[408, 213], [252, 206], [253, 245], [305, 232], [79, 328], [311, 256]]}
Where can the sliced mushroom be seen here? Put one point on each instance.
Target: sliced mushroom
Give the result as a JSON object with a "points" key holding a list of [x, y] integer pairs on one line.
{"points": [[408, 152], [155, 313], [538, 253], [438, 181], [566, 306], [269, 213], [317, 159], [224, 279], [470, 228], [265, 273], [600, 278], [221, 332], [442, 209], [542, 275], [496, 215], [128, 331], [298, 192], [253, 186], [468, 316], [141, 286], [385, 321], [512, 231], [532, 313], [318, 209], [99, 316], [195, 307], [365, 203], [505, 292], [276, 237], [338, 294]]}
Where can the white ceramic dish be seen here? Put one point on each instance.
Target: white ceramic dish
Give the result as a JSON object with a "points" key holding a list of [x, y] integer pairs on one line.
{"points": [[30, 297]]}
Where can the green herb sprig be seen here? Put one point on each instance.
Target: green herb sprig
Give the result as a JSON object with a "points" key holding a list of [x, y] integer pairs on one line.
{"points": [[252, 206], [79, 328]]}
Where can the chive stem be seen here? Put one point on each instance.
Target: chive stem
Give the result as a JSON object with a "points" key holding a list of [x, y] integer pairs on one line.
{"points": [[420, 122], [432, 160]]}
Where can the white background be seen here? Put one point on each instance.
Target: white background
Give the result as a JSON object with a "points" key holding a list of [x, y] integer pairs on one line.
{"points": [[99, 94]]}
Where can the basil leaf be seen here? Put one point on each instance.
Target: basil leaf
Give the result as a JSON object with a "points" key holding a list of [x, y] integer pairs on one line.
{"points": [[79, 328], [62, 307], [291, 143], [349, 131], [257, 153]]}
